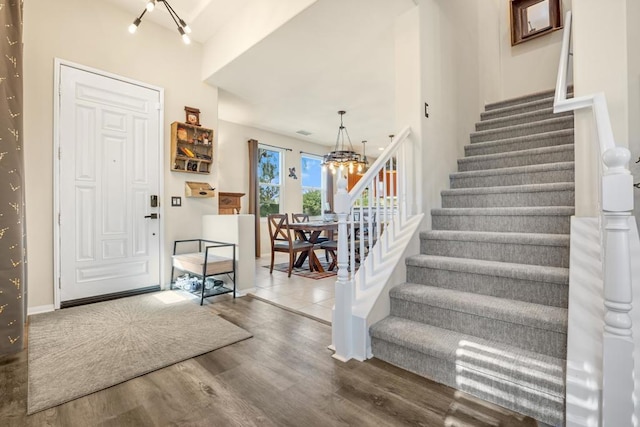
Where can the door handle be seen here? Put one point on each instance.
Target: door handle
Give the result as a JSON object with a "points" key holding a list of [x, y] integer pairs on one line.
{"points": [[152, 216]]}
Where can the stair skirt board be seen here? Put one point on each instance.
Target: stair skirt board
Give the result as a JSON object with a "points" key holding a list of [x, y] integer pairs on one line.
{"points": [[484, 305]]}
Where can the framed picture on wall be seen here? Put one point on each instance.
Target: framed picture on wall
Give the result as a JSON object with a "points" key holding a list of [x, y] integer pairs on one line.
{"points": [[192, 116], [534, 18]]}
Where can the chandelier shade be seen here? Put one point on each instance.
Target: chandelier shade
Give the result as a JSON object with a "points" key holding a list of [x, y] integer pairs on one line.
{"points": [[342, 156], [183, 29]]}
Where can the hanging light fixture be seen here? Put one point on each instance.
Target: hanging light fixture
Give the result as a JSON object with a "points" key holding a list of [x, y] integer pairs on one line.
{"points": [[363, 164], [341, 157], [183, 28], [391, 163]]}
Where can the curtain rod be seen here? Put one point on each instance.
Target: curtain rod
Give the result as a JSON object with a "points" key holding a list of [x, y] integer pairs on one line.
{"points": [[275, 146], [313, 154]]}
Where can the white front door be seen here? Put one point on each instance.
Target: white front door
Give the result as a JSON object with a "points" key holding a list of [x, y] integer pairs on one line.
{"points": [[109, 171]]}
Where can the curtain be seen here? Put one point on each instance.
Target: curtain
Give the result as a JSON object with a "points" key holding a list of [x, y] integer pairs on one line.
{"points": [[12, 221], [330, 192], [254, 190]]}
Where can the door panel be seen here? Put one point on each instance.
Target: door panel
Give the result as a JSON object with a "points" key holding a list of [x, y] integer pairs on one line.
{"points": [[109, 168]]}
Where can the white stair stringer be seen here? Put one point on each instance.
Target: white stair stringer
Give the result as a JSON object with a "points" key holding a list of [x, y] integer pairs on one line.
{"points": [[382, 269]]}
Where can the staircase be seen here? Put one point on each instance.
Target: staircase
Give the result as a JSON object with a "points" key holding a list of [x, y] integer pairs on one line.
{"points": [[484, 308]]}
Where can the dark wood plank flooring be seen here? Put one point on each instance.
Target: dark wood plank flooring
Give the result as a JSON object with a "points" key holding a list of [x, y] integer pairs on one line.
{"points": [[283, 376]]}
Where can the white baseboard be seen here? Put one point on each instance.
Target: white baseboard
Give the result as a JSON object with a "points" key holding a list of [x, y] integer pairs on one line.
{"points": [[40, 309]]}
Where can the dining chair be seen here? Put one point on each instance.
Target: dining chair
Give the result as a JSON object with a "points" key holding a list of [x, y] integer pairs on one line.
{"points": [[281, 240], [297, 218]]}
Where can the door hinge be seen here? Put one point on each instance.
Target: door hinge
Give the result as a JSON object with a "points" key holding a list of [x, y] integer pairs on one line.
{"points": [[59, 153], [59, 283], [59, 219]]}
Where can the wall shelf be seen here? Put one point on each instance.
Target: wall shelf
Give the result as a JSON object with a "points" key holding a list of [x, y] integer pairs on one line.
{"points": [[191, 148]]}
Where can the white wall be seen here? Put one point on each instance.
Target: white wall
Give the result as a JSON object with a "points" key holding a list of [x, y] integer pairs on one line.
{"points": [[94, 33], [633, 37], [509, 71], [233, 155], [450, 85], [600, 65]]}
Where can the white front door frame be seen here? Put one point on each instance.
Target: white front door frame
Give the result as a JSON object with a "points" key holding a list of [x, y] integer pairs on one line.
{"points": [[58, 64]]}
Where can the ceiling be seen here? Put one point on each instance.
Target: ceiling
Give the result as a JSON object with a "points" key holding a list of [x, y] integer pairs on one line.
{"points": [[335, 55]]}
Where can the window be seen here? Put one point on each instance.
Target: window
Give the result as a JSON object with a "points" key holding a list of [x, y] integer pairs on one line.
{"points": [[270, 179], [313, 194]]}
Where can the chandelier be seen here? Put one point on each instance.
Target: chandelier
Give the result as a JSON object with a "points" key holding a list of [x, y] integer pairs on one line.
{"points": [[342, 156], [183, 28]]}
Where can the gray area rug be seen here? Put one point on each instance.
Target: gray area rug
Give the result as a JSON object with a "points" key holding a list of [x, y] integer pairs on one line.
{"points": [[81, 350]]}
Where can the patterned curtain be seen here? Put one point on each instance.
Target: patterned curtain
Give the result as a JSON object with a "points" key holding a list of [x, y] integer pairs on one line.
{"points": [[12, 221]]}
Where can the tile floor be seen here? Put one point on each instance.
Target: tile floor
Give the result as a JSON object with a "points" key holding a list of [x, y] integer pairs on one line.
{"points": [[308, 296]]}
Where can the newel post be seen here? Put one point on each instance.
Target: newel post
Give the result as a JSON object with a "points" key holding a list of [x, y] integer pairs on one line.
{"points": [[342, 323], [617, 354]]}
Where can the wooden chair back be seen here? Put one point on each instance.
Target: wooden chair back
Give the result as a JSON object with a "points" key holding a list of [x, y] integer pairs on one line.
{"points": [[279, 229], [301, 217]]}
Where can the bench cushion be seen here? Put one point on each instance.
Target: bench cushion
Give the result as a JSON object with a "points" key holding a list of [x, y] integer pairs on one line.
{"points": [[193, 263]]}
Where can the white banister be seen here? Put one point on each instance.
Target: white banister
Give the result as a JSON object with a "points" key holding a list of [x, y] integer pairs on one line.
{"points": [[373, 222], [617, 406]]}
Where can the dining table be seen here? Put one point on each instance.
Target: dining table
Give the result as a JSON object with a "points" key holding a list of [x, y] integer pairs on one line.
{"points": [[310, 231]]}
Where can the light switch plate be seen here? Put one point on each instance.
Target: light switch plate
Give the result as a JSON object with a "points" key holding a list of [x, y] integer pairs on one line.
{"points": [[176, 201]]}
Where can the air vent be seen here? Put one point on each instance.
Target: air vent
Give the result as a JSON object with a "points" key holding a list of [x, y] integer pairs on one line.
{"points": [[304, 132]]}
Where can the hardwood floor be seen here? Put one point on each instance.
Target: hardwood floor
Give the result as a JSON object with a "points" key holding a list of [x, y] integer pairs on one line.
{"points": [[283, 376]]}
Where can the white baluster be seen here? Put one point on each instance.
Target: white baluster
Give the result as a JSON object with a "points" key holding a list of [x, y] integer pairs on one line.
{"points": [[617, 354], [342, 322]]}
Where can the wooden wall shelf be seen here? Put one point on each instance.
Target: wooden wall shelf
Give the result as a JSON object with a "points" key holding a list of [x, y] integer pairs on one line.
{"points": [[191, 148], [229, 203]]}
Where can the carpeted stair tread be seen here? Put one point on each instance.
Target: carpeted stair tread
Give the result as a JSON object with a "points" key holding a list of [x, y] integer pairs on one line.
{"points": [[527, 157], [516, 175], [522, 248], [498, 237], [549, 194], [537, 316], [530, 219], [544, 94], [540, 372], [522, 99], [542, 126], [524, 107], [545, 139], [507, 211], [520, 118], [536, 273], [527, 188]]}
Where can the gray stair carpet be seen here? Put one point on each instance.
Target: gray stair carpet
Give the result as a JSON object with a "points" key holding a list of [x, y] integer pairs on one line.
{"points": [[484, 307]]}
